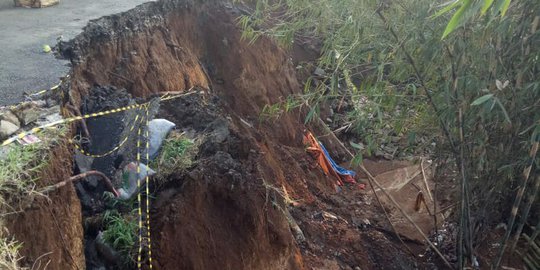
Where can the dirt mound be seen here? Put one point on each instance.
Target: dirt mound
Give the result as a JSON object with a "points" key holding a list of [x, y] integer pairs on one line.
{"points": [[50, 229], [253, 198]]}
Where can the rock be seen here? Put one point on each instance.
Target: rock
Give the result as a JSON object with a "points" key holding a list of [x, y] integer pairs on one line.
{"points": [[52, 110], [93, 181], [49, 119], [7, 129], [84, 163], [27, 113], [107, 252], [40, 103], [319, 72], [10, 117]]}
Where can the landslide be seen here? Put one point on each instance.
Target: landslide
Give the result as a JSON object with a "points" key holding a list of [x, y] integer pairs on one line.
{"points": [[254, 199]]}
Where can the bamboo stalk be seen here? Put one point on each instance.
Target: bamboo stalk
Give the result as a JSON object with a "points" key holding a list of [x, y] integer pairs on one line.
{"points": [[535, 233], [425, 180], [515, 207], [530, 200], [532, 244]]}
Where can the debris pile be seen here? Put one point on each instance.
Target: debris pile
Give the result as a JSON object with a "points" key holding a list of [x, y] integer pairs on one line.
{"points": [[25, 116]]}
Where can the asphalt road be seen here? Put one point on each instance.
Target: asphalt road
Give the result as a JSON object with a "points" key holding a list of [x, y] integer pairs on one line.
{"points": [[23, 32]]}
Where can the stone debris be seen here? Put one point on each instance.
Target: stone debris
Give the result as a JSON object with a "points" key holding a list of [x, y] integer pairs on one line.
{"points": [[27, 113], [7, 129], [10, 117]]}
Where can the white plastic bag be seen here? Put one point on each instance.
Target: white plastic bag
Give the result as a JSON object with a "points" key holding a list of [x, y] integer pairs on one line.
{"points": [[130, 177], [158, 129]]}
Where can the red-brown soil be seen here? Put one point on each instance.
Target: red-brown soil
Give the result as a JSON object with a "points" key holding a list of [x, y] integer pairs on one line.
{"points": [[228, 210], [50, 229]]}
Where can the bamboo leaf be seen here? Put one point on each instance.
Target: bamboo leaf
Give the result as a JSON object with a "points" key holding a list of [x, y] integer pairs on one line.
{"points": [[486, 6], [506, 117], [457, 19], [481, 99], [357, 160], [447, 8], [505, 7], [310, 115], [356, 146]]}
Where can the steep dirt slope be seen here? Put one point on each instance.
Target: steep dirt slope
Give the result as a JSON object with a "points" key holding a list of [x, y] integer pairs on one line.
{"points": [[228, 211], [50, 229]]}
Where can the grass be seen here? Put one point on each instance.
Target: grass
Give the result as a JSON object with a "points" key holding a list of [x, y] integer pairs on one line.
{"points": [[21, 165], [9, 254], [121, 234], [20, 168], [177, 154]]}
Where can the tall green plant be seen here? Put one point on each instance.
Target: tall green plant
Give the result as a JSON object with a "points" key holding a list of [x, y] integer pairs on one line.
{"points": [[480, 84]]}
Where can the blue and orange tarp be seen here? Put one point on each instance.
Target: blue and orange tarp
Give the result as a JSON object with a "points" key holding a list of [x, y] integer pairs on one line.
{"points": [[328, 165]]}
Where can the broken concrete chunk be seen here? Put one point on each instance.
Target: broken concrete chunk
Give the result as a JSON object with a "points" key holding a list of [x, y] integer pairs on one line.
{"points": [[7, 129], [52, 110], [27, 113], [49, 119], [10, 117]]}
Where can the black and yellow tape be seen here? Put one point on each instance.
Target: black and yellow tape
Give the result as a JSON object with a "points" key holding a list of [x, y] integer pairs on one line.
{"points": [[147, 183], [138, 119], [144, 219], [21, 135], [69, 120], [139, 200], [41, 92]]}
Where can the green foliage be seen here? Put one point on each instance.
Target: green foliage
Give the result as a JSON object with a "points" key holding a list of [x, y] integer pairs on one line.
{"points": [[176, 155], [121, 233], [386, 58], [471, 7], [20, 166]]}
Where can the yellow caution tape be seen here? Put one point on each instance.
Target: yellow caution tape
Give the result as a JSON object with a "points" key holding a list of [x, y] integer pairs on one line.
{"points": [[138, 119], [21, 135], [69, 120], [139, 200], [147, 180]]}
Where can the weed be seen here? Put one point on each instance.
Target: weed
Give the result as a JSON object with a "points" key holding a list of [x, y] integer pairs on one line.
{"points": [[9, 254], [121, 234], [20, 166], [176, 154]]}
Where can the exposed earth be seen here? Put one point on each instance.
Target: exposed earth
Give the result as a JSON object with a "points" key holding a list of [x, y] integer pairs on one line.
{"points": [[253, 198]]}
